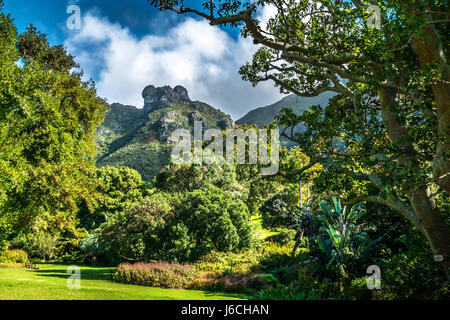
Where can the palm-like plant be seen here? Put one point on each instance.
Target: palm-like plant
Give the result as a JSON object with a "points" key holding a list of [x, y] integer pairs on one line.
{"points": [[342, 242]]}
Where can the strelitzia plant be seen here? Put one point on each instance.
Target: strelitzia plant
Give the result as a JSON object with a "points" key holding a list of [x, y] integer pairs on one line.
{"points": [[342, 240]]}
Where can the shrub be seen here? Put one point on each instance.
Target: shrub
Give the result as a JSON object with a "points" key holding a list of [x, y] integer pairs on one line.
{"points": [[40, 245], [293, 291], [277, 211], [230, 282], [283, 237], [135, 234], [119, 187], [215, 221], [170, 228], [241, 262], [413, 274], [15, 256], [340, 247], [155, 274]]}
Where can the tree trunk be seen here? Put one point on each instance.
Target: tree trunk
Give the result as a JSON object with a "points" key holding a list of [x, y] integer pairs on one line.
{"points": [[433, 224], [429, 50], [434, 227], [299, 237]]}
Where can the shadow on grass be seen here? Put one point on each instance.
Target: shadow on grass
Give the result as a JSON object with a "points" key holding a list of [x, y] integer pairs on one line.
{"points": [[105, 273], [87, 273]]}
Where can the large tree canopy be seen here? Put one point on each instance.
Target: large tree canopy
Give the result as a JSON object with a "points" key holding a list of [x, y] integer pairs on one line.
{"points": [[392, 112], [48, 117]]}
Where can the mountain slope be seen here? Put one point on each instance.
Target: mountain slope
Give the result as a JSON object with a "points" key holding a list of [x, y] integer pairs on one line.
{"points": [[265, 115], [140, 138]]}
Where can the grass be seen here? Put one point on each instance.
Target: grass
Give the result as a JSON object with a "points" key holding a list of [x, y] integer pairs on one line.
{"points": [[50, 283], [261, 233]]}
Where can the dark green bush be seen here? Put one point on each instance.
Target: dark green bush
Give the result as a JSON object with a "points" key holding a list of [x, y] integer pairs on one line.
{"points": [[120, 188], [293, 291], [277, 211], [166, 227], [283, 237], [155, 274], [137, 234], [214, 221], [413, 274]]}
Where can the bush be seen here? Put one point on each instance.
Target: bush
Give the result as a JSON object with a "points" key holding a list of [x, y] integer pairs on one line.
{"points": [[230, 282], [293, 291], [155, 274], [15, 256], [283, 237], [38, 245], [277, 211], [119, 187], [214, 221], [413, 274], [137, 234]]}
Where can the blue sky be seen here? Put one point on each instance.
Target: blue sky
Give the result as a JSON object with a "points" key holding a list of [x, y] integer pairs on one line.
{"points": [[126, 45]]}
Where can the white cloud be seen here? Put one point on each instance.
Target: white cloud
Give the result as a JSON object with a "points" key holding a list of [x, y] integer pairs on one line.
{"points": [[203, 59]]}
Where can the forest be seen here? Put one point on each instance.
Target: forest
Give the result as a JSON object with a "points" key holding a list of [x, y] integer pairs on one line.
{"points": [[359, 208]]}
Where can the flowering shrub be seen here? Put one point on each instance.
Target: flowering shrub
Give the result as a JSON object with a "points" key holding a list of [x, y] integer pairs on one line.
{"points": [[155, 274], [230, 282]]}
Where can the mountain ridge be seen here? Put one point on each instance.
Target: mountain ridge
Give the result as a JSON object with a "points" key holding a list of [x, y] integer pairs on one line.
{"points": [[140, 138], [264, 115]]}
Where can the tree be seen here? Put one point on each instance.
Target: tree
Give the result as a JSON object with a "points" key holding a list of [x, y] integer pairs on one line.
{"points": [[392, 112], [175, 227], [214, 220], [118, 188], [187, 178], [137, 233], [48, 117]]}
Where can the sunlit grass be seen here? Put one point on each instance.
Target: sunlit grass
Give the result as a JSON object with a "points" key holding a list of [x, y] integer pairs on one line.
{"points": [[260, 232], [50, 283]]}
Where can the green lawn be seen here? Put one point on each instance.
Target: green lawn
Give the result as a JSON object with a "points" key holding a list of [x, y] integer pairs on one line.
{"points": [[49, 283]]}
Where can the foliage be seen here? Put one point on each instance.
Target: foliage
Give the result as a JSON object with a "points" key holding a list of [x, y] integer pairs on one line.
{"points": [[51, 237], [214, 220], [136, 234], [47, 122], [229, 282], [283, 237], [39, 245], [341, 244], [277, 211], [119, 188], [412, 273], [187, 178], [156, 274], [14, 257], [294, 291]]}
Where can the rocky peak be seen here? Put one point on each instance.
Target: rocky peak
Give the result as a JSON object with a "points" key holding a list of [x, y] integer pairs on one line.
{"points": [[158, 98]]}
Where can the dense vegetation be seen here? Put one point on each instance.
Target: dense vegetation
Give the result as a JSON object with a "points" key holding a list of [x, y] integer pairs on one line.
{"points": [[372, 165]]}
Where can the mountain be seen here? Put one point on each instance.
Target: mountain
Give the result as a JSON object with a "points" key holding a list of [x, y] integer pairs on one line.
{"points": [[139, 138], [265, 115]]}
